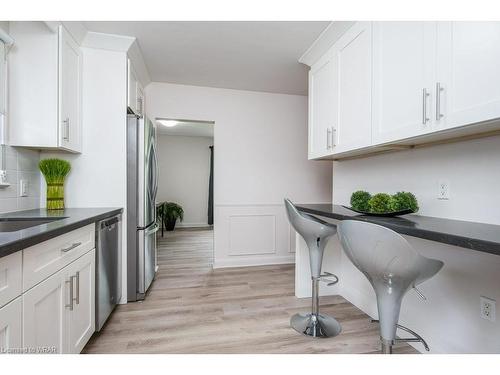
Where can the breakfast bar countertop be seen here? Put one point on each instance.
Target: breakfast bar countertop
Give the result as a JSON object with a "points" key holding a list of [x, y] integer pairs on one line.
{"points": [[70, 219], [472, 235]]}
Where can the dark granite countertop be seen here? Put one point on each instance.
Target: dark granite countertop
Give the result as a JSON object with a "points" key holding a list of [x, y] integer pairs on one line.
{"points": [[471, 235], [73, 218]]}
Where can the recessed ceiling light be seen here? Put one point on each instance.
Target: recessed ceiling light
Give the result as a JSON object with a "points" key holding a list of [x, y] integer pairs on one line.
{"points": [[168, 123]]}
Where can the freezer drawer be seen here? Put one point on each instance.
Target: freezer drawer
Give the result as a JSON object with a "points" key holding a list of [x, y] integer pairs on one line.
{"points": [[146, 258]]}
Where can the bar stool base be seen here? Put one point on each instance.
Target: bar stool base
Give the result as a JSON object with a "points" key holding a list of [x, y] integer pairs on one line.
{"points": [[315, 326]]}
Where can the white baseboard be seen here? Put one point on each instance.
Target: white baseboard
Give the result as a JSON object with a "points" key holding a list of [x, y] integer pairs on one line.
{"points": [[191, 225], [253, 261]]}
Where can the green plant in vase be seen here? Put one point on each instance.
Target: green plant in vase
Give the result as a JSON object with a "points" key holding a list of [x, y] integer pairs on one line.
{"points": [[55, 172]]}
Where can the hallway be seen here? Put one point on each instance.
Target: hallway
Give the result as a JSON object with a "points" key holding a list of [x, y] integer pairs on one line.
{"points": [[191, 308]]}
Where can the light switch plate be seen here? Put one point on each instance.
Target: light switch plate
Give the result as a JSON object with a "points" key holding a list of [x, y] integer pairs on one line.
{"points": [[23, 188]]}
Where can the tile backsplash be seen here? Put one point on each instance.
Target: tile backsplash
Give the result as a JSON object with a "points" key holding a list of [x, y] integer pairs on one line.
{"points": [[20, 164]]}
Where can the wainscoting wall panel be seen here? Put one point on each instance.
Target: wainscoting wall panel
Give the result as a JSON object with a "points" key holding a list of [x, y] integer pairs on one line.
{"points": [[251, 235], [242, 238]]}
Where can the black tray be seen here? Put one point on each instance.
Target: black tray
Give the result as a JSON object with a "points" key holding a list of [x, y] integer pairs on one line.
{"points": [[385, 214]]}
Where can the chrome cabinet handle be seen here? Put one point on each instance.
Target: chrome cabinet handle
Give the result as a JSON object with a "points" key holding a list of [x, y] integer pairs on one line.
{"points": [[328, 138], [77, 277], [439, 89], [334, 136], [425, 95], [70, 282], [65, 250], [66, 129]]}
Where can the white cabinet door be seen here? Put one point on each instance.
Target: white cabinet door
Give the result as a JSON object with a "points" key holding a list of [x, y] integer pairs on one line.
{"points": [[11, 280], [140, 99], [10, 326], [82, 316], [353, 54], [131, 88], [322, 106], [70, 82], [45, 314], [403, 67], [468, 58]]}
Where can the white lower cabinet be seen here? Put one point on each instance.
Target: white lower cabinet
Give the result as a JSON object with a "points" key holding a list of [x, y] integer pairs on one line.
{"points": [[58, 313], [44, 315], [10, 327], [81, 322]]}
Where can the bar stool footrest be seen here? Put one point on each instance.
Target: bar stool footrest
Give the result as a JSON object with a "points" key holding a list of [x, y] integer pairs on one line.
{"points": [[416, 337], [325, 278]]}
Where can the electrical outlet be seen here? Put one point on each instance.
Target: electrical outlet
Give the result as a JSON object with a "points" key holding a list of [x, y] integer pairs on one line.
{"points": [[488, 308], [23, 188], [443, 189]]}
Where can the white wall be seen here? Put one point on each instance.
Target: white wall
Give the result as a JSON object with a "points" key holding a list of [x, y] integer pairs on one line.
{"points": [[260, 158], [98, 175], [184, 171], [449, 319]]}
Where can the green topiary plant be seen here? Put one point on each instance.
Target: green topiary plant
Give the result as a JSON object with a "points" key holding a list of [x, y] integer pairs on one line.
{"points": [[403, 200], [55, 172], [359, 200], [379, 203]]}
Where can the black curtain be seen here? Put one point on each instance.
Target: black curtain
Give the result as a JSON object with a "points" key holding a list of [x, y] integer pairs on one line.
{"points": [[211, 189]]}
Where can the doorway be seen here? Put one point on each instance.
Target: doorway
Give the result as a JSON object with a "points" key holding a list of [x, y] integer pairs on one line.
{"points": [[185, 195]]}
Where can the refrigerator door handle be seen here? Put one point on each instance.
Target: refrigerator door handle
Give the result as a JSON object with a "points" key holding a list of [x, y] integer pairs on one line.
{"points": [[152, 229], [155, 158]]}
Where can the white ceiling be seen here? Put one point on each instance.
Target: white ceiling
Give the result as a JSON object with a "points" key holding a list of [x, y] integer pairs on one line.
{"points": [[188, 128], [258, 56]]}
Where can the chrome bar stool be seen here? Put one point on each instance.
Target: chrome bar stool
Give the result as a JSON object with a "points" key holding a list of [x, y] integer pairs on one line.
{"points": [[393, 267], [316, 234]]}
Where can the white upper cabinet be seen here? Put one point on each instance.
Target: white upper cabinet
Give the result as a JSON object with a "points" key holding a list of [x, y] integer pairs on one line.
{"points": [[403, 79], [131, 88], [468, 72], [140, 99], [70, 80], [135, 91], [323, 110], [353, 60], [45, 98]]}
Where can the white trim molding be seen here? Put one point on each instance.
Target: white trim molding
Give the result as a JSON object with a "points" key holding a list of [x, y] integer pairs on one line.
{"points": [[325, 40]]}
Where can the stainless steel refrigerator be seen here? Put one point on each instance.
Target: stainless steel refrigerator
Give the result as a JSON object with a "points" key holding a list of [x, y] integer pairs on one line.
{"points": [[142, 186]]}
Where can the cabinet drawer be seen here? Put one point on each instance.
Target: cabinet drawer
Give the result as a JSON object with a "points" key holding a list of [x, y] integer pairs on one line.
{"points": [[46, 258], [10, 277]]}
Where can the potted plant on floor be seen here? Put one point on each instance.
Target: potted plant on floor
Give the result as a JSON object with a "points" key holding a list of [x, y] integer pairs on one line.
{"points": [[170, 212]]}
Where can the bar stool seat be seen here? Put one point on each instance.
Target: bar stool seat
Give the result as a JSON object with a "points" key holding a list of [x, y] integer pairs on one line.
{"points": [[392, 266], [316, 234]]}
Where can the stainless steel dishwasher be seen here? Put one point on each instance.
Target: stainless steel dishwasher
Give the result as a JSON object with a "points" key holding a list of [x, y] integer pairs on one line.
{"points": [[108, 268]]}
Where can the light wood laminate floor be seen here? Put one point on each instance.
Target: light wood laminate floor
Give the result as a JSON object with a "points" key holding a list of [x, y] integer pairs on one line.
{"points": [[191, 308]]}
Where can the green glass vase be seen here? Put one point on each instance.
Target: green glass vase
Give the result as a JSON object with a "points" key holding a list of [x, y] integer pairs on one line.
{"points": [[55, 196]]}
